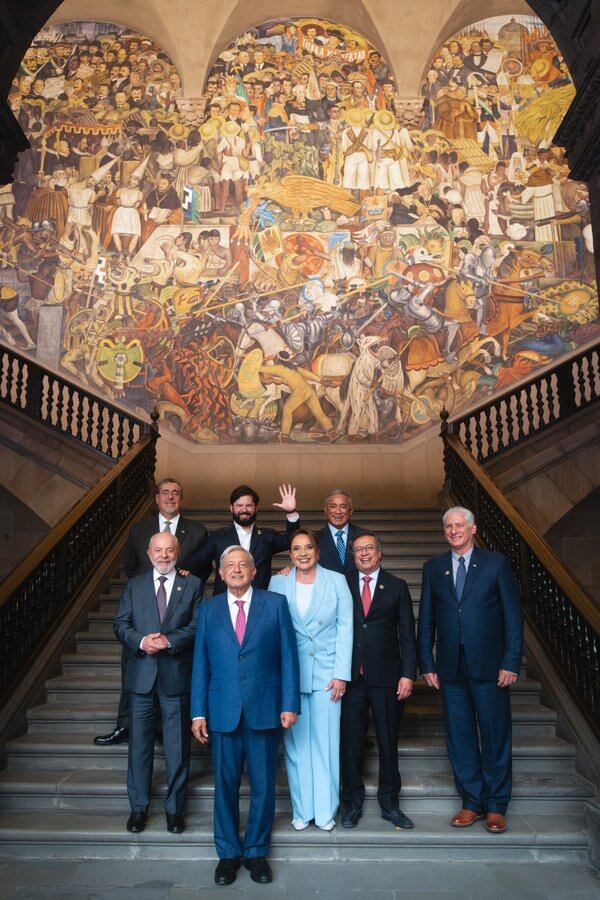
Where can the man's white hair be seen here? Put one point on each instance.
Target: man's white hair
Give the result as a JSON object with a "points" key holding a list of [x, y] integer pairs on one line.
{"points": [[459, 511], [159, 533], [335, 492], [230, 549]]}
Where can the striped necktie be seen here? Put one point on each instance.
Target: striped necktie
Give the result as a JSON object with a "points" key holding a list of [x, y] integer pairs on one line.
{"points": [[341, 546]]}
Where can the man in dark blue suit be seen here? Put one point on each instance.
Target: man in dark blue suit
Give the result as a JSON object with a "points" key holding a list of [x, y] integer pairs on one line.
{"points": [[245, 687], [156, 623], [470, 609], [335, 538], [262, 543]]}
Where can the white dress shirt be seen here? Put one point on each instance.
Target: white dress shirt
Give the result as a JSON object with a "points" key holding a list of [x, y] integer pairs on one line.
{"points": [[304, 594], [455, 557], [234, 608], [173, 523], [361, 582], [244, 537], [170, 581], [335, 530]]}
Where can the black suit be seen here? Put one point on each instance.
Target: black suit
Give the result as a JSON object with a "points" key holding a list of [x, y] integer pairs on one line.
{"points": [[329, 557], [264, 544], [191, 536], [162, 679], [384, 651]]}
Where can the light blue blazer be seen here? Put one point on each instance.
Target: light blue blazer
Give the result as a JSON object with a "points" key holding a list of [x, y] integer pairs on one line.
{"points": [[325, 633]]}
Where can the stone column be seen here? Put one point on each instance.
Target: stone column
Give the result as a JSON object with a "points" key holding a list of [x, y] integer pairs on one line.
{"points": [[191, 109]]}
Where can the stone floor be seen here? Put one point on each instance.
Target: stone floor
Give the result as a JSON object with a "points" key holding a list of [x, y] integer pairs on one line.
{"points": [[150, 880]]}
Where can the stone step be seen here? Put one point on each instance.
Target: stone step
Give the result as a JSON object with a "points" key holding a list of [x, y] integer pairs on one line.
{"points": [[105, 789], [419, 754], [530, 719], [92, 835], [79, 688]]}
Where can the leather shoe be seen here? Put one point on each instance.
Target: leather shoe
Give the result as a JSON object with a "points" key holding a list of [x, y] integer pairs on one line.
{"points": [[117, 736], [227, 870], [495, 823], [465, 817], [350, 816], [175, 823], [136, 822], [397, 818], [260, 870]]}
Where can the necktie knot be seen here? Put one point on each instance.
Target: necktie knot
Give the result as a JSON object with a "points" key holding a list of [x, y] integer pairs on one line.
{"points": [[240, 604], [367, 579], [162, 578], [167, 526]]}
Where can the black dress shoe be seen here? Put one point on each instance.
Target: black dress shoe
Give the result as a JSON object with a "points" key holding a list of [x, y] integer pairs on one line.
{"points": [[398, 819], [351, 816], [260, 870], [226, 871], [136, 822], [117, 736], [175, 823]]}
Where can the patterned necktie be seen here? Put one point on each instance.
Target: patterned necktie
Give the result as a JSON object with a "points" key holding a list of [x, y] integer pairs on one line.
{"points": [[161, 597], [167, 527], [366, 594], [240, 622], [461, 577], [341, 546]]}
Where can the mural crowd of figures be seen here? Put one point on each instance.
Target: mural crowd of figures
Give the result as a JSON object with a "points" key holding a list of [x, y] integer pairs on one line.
{"points": [[302, 263]]}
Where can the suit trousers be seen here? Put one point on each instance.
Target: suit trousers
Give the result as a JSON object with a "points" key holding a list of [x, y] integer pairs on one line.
{"points": [[483, 777], [175, 714], [258, 750], [312, 758], [386, 711], [123, 710]]}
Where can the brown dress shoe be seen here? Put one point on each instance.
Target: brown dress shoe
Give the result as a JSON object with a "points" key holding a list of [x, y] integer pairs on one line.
{"points": [[464, 818], [495, 823]]}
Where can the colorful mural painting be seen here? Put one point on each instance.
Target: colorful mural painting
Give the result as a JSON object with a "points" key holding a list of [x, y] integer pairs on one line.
{"points": [[302, 263]]}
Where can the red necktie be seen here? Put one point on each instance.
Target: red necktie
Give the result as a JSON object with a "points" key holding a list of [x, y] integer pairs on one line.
{"points": [[366, 594], [240, 622]]}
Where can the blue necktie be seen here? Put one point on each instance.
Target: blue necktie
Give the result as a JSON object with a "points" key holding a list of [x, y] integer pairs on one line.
{"points": [[461, 577], [341, 547]]}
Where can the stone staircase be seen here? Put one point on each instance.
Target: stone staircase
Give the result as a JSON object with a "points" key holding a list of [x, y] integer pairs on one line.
{"points": [[60, 796]]}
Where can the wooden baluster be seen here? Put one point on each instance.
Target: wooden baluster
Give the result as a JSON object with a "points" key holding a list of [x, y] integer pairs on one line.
{"points": [[8, 392], [89, 421], [60, 405], [478, 437], [120, 434], [491, 432], [519, 417], [529, 409], [69, 409], [20, 399], [582, 381], [468, 437], [79, 416], [540, 403], [110, 429], [510, 423]]}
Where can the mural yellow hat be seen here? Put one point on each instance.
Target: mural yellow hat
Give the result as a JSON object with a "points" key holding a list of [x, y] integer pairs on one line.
{"points": [[356, 117], [178, 131], [210, 128], [384, 120], [231, 128]]}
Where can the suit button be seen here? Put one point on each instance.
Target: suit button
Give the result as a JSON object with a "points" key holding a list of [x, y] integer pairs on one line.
{"points": [[311, 654], [365, 625], [241, 655], [242, 678], [320, 621]]}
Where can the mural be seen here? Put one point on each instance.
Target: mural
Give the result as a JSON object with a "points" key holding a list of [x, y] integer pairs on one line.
{"points": [[307, 261]]}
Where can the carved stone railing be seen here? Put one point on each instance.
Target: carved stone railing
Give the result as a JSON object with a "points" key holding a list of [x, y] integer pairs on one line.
{"points": [[565, 618], [531, 408], [40, 589], [66, 406]]}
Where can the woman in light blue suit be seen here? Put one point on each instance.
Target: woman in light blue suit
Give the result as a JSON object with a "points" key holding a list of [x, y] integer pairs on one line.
{"points": [[321, 609]]}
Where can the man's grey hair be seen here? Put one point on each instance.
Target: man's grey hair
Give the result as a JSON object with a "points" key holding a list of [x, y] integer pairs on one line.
{"points": [[158, 534], [363, 534], [338, 491], [459, 511], [230, 549]]}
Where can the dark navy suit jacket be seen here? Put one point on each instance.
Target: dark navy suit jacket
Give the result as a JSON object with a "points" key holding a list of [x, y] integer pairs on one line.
{"points": [[488, 620], [137, 616], [329, 558], [264, 544], [259, 678]]}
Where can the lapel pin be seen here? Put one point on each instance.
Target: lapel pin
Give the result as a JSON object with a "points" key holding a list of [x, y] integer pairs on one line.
{"points": [[178, 587], [446, 572], [474, 565], [380, 587], [259, 531]]}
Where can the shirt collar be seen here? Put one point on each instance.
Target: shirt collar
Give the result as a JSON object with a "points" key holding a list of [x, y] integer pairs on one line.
{"points": [[241, 530], [172, 522], [247, 597], [168, 575], [335, 530], [466, 556], [373, 576]]}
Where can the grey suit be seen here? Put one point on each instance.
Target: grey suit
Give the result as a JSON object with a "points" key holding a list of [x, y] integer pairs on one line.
{"points": [[160, 680]]}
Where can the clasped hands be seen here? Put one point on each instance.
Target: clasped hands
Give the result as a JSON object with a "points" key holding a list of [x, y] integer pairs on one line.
{"points": [[154, 643]]}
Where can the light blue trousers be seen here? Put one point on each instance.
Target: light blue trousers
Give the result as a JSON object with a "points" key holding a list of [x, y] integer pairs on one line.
{"points": [[312, 758]]}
